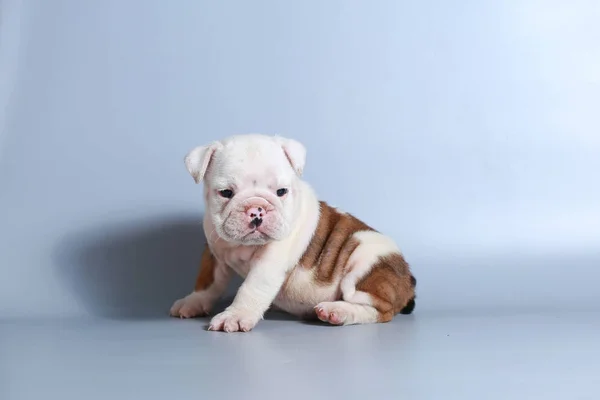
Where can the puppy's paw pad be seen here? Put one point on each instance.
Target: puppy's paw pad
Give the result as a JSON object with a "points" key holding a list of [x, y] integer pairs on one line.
{"points": [[331, 313], [193, 305], [233, 321]]}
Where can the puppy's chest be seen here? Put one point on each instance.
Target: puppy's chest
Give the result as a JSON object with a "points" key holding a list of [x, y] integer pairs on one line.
{"points": [[238, 259]]}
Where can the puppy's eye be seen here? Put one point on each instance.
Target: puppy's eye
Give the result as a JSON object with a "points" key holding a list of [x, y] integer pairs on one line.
{"points": [[281, 192], [226, 193]]}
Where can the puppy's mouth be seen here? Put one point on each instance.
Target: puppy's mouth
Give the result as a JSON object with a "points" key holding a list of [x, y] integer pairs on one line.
{"points": [[254, 237], [255, 234]]}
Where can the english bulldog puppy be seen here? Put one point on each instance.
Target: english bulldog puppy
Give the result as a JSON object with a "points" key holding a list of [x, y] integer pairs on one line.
{"points": [[265, 223]]}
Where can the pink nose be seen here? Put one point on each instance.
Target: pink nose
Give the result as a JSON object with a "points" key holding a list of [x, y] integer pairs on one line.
{"points": [[255, 216], [256, 212]]}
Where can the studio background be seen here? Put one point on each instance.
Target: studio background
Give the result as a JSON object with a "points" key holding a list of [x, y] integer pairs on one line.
{"points": [[468, 131]]}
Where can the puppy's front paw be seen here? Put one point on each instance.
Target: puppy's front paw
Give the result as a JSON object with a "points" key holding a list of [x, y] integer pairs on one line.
{"points": [[234, 321], [192, 305]]}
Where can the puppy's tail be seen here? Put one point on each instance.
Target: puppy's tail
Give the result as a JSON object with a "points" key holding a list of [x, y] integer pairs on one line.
{"points": [[410, 305]]}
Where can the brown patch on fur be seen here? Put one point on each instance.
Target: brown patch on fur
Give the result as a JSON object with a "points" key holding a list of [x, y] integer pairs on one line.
{"points": [[206, 275], [331, 244], [390, 285]]}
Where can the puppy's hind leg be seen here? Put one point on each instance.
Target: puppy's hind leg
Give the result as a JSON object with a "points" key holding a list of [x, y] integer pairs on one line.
{"points": [[386, 290], [346, 313]]}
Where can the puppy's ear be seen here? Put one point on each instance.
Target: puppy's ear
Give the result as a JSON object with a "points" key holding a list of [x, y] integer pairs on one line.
{"points": [[295, 153], [197, 160]]}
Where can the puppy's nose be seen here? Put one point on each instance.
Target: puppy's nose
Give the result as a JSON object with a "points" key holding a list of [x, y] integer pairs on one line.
{"points": [[255, 212], [255, 215]]}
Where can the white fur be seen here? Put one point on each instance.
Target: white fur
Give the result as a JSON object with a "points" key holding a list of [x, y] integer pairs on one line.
{"points": [[197, 160], [295, 152]]}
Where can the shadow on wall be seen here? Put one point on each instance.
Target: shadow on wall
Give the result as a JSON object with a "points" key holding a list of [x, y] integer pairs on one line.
{"points": [[137, 268], [132, 269]]}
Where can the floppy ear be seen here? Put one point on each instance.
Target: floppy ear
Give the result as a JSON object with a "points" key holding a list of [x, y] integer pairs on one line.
{"points": [[197, 160], [295, 153]]}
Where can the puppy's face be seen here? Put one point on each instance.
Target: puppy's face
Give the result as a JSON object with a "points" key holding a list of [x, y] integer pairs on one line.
{"points": [[251, 186]]}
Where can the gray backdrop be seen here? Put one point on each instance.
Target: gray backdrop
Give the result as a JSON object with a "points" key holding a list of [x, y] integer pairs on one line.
{"points": [[468, 131]]}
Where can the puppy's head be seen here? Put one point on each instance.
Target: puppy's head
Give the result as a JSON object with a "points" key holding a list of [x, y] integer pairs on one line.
{"points": [[251, 185]]}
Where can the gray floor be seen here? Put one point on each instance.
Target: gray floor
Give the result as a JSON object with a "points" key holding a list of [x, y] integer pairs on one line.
{"points": [[424, 356]]}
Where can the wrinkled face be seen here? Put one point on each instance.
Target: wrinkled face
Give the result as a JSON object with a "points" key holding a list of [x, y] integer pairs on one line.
{"points": [[251, 187]]}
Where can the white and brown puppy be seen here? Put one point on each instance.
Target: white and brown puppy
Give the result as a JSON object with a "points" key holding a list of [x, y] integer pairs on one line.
{"points": [[263, 222]]}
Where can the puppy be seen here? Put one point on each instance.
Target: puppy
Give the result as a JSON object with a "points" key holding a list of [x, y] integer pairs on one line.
{"points": [[263, 222]]}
